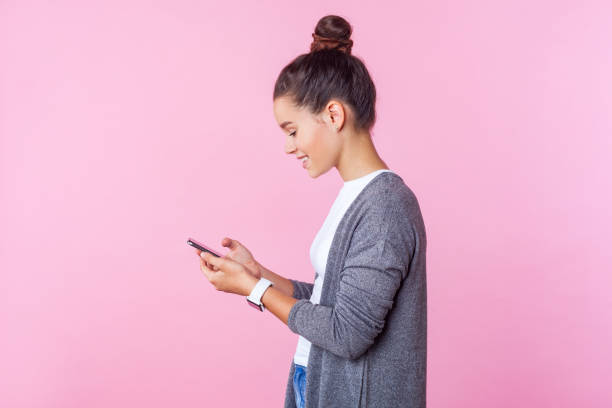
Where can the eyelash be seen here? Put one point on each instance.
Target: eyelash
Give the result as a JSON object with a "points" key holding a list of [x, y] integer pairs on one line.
{"points": [[292, 133]]}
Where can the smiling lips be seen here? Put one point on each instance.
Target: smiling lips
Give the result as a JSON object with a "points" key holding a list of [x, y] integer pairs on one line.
{"points": [[305, 160]]}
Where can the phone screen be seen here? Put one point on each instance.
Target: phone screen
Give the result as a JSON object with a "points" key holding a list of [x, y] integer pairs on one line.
{"points": [[201, 247]]}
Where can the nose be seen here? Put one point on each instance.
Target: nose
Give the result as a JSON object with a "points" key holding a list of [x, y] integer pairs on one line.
{"points": [[289, 145]]}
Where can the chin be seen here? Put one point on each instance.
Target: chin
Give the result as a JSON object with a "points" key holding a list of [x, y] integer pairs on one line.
{"points": [[311, 172], [316, 173]]}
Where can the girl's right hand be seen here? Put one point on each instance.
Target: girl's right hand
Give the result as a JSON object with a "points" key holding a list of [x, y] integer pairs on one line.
{"points": [[239, 253]]}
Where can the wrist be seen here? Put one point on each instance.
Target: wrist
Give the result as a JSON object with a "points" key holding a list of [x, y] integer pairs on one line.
{"points": [[249, 284], [260, 270]]}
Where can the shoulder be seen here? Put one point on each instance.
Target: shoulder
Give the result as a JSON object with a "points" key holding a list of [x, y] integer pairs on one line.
{"points": [[388, 196], [388, 220]]}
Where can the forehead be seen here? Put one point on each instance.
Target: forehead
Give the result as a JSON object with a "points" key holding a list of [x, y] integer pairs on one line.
{"points": [[285, 110]]}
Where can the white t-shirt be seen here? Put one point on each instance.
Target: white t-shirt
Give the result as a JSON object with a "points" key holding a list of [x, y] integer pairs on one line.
{"points": [[322, 243]]}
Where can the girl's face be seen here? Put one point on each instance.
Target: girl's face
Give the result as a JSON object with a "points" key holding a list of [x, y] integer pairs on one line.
{"points": [[315, 136]]}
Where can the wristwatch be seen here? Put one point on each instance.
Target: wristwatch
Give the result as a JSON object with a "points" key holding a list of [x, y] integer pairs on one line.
{"points": [[254, 299]]}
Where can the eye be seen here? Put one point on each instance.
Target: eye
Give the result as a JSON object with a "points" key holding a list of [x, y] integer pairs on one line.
{"points": [[292, 133]]}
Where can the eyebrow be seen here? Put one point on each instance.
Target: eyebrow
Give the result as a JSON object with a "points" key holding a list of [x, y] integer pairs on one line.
{"points": [[285, 124]]}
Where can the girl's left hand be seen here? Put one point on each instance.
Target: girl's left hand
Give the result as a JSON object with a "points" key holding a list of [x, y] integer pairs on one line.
{"points": [[228, 275]]}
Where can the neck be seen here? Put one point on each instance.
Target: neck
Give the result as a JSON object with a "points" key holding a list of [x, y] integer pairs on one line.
{"points": [[359, 157]]}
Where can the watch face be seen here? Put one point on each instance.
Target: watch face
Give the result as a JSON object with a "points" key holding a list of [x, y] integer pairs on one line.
{"points": [[253, 304]]}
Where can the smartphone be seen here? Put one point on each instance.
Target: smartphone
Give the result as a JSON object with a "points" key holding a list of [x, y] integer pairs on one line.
{"points": [[201, 247]]}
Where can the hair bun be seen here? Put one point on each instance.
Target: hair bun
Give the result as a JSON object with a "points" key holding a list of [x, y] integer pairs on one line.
{"points": [[332, 32]]}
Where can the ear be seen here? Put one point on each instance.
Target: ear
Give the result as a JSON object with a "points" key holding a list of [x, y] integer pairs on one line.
{"points": [[335, 114]]}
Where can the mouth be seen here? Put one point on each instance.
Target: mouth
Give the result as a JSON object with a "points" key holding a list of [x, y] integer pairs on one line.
{"points": [[305, 160]]}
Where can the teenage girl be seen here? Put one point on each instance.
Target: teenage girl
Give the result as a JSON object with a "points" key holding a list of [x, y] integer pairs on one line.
{"points": [[361, 324]]}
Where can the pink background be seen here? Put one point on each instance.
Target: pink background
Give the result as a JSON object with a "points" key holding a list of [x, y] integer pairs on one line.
{"points": [[126, 127]]}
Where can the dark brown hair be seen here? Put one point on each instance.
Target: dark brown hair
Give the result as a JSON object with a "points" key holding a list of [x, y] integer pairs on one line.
{"points": [[329, 71]]}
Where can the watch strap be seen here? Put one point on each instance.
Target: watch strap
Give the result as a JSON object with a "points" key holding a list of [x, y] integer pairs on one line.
{"points": [[254, 298]]}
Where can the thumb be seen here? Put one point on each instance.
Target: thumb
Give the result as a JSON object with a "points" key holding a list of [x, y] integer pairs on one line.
{"points": [[230, 243]]}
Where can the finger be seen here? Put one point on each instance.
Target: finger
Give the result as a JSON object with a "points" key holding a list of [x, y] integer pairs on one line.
{"points": [[213, 260], [207, 264], [207, 272], [210, 267]]}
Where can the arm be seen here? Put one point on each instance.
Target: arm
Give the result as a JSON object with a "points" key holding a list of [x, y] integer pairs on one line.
{"points": [[377, 261], [280, 283], [289, 287], [279, 299], [302, 290], [275, 300], [278, 303]]}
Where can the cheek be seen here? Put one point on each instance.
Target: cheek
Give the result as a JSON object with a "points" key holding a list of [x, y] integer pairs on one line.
{"points": [[318, 141]]}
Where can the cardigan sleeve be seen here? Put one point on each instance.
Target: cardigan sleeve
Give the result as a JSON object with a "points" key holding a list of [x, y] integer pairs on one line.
{"points": [[377, 261], [301, 290]]}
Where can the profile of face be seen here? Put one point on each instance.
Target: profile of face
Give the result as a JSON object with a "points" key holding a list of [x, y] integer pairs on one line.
{"points": [[317, 137]]}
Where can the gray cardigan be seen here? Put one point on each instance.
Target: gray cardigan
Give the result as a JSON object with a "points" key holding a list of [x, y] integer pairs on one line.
{"points": [[368, 334]]}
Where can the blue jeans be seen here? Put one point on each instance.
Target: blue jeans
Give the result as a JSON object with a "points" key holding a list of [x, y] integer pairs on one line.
{"points": [[299, 385]]}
